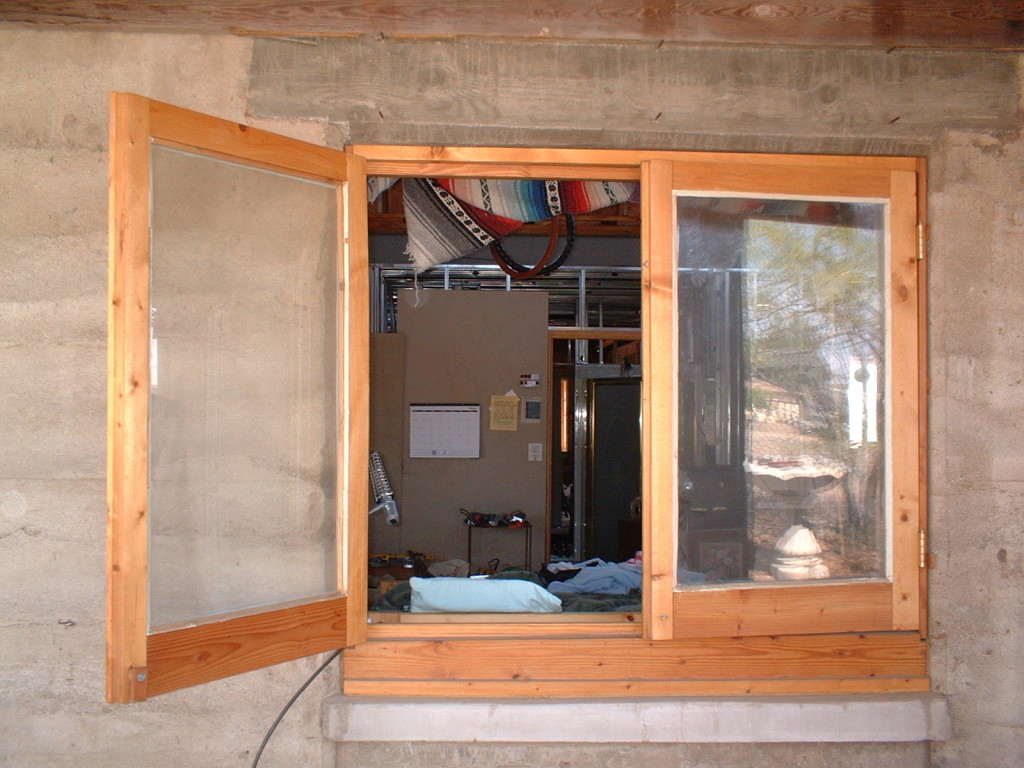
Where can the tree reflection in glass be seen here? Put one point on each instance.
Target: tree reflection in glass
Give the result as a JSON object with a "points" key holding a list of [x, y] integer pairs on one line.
{"points": [[781, 390]]}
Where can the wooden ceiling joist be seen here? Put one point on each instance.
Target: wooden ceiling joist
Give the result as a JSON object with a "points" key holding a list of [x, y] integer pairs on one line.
{"points": [[945, 24]]}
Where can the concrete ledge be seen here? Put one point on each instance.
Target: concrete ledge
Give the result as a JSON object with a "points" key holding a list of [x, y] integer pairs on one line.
{"points": [[884, 718]]}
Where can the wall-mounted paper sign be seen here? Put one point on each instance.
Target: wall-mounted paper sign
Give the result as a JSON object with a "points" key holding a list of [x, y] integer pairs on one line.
{"points": [[444, 431], [504, 413]]}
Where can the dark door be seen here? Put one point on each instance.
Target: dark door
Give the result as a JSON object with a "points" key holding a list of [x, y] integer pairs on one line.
{"points": [[613, 468]]}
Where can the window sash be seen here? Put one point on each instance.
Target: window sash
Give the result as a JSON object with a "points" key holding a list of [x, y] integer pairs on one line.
{"points": [[141, 662]]}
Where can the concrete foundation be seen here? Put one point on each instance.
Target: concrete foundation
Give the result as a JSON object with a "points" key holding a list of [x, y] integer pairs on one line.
{"points": [[960, 110], [716, 720]]}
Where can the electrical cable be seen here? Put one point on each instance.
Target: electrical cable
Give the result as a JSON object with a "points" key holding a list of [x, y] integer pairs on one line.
{"points": [[305, 685]]}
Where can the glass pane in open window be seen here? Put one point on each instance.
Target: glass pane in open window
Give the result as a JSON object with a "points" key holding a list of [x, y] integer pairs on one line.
{"points": [[243, 398], [782, 390]]}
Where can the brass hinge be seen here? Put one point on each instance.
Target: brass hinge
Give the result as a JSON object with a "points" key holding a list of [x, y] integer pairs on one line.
{"points": [[926, 560], [920, 242]]}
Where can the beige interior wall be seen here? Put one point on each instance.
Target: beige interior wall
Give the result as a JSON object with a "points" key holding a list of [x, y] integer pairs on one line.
{"points": [[961, 111], [463, 347], [387, 430]]}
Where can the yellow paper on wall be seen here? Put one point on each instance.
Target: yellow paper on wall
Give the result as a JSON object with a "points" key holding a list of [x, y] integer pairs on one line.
{"points": [[504, 413]]}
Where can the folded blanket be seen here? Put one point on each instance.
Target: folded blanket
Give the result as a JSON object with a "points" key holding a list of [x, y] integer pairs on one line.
{"points": [[608, 579]]}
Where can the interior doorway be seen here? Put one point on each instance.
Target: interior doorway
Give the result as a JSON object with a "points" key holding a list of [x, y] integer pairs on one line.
{"points": [[596, 455]]}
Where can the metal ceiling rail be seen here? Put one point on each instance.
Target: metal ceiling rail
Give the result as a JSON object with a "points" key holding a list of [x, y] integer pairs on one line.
{"points": [[579, 297]]}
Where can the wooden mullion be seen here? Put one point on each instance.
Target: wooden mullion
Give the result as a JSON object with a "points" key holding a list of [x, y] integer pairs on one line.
{"points": [[659, 432]]}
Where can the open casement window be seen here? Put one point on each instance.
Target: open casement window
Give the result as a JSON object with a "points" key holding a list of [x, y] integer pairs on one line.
{"points": [[237, 400], [781, 341]]}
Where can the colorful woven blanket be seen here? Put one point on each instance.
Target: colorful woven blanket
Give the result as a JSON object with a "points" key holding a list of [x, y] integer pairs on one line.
{"points": [[449, 218]]}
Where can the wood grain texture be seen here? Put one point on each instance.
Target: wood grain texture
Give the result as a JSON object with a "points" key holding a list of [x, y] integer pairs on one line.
{"points": [[810, 179], [778, 609], [904, 398], [237, 142], [456, 626], [590, 689], [140, 666], [959, 24], [923, 389], [128, 398], [616, 164], [659, 417], [193, 655], [714, 665], [354, 377]]}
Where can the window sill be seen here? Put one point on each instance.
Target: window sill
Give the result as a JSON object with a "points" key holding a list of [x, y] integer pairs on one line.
{"points": [[910, 717]]}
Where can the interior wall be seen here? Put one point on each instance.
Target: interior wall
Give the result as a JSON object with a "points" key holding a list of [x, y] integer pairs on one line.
{"points": [[960, 110], [463, 347]]}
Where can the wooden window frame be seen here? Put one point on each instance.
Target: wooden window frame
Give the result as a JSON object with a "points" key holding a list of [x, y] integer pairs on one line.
{"points": [[140, 662], [854, 637]]}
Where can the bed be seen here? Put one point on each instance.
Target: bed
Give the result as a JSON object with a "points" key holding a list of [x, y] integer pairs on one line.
{"points": [[600, 588]]}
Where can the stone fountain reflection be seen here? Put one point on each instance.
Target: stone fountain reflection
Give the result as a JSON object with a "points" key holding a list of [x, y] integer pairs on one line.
{"points": [[794, 482]]}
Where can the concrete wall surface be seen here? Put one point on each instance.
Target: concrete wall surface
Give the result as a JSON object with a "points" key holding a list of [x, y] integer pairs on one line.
{"points": [[960, 110]]}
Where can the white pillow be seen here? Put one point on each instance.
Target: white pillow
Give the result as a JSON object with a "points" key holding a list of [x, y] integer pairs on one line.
{"points": [[455, 595]]}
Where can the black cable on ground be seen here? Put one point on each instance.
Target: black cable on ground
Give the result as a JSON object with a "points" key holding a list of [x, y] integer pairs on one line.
{"points": [[305, 685]]}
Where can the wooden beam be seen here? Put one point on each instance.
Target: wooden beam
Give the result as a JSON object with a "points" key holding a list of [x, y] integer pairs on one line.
{"points": [[634, 667], [948, 24]]}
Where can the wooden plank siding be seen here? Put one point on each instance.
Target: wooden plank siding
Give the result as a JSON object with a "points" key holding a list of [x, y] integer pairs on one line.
{"points": [[949, 24], [620, 666]]}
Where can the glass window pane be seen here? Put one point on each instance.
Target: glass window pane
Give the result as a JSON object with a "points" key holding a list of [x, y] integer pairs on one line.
{"points": [[781, 390], [243, 388]]}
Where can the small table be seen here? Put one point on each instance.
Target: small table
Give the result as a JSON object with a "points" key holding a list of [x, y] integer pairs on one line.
{"points": [[526, 528]]}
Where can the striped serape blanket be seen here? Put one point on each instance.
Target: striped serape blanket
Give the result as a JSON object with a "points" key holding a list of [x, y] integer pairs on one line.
{"points": [[450, 218]]}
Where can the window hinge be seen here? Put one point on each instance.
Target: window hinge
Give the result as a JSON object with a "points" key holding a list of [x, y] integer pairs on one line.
{"points": [[920, 241], [138, 677], [927, 560]]}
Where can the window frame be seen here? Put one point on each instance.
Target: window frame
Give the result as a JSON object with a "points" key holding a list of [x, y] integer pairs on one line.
{"points": [[705, 642], [141, 662], [868, 606]]}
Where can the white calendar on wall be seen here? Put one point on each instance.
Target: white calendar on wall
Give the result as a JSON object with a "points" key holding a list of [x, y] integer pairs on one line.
{"points": [[444, 431]]}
